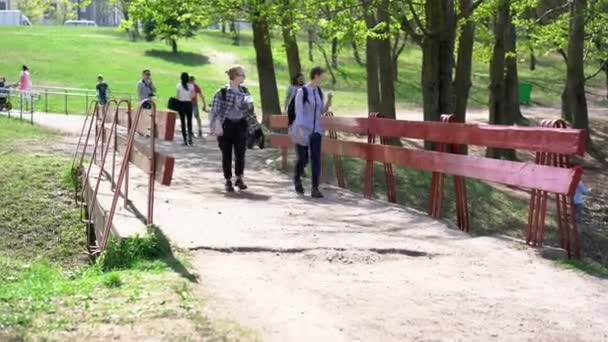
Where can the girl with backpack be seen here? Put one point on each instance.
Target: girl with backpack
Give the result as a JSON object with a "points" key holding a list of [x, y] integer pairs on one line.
{"points": [[306, 130], [296, 83], [230, 109]]}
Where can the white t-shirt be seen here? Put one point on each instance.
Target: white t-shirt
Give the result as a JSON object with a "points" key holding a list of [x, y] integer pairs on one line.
{"points": [[183, 94]]}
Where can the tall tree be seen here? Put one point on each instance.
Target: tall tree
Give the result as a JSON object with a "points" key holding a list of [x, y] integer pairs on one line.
{"points": [[436, 37], [265, 63], [174, 19], [462, 78], [575, 78], [289, 31], [386, 63], [498, 88]]}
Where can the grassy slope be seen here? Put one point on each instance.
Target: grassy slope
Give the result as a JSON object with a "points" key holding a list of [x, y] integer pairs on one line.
{"points": [[68, 56], [47, 291]]}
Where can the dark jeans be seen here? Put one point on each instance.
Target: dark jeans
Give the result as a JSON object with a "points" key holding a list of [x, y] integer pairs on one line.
{"points": [[315, 158], [234, 138], [185, 114]]}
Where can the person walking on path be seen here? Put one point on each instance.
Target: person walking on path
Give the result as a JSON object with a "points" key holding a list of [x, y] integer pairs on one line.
{"points": [[307, 132], [195, 109], [185, 93], [296, 83], [145, 88], [229, 109], [579, 200], [25, 86], [102, 90]]}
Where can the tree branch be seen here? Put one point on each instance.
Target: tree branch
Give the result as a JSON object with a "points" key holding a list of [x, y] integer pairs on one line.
{"points": [[407, 26], [601, 68], [416, 17], [467, 13], [549, 12]]}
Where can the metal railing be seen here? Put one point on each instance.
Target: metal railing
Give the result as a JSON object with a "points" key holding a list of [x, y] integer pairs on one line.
{"points": [[55, 99]]}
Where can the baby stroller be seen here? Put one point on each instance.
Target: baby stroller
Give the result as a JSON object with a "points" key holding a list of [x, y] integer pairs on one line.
{"points": [[5, 100]]}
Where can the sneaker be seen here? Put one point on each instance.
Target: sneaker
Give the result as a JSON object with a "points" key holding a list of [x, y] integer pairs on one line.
{"points": [[200, 133], [229, 187], [316, 193], [298, 186], [240, 184]]}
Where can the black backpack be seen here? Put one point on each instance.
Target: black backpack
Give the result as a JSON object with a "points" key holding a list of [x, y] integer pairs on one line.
{"points": [[291, 109], [225, 89]]}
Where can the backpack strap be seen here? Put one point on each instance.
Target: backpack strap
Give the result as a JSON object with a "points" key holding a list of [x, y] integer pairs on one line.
{"points": [[305, 95]]}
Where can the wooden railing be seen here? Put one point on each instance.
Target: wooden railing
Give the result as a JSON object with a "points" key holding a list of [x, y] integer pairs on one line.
{"points": [[542, 177]]}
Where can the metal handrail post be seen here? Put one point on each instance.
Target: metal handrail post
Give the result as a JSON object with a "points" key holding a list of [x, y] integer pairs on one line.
{"points": [[66, 102], [152, 171], [121, 175]]}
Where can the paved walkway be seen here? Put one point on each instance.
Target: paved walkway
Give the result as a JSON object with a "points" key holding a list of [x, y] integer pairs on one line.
{"points": [[345, 268]]}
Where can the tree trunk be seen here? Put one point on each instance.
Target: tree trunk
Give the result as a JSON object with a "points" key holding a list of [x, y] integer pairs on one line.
{"points": [[328, 65], [174, 45], [291, 47], [356, 52], [606, 72], [512, 108], [223, 27], [371, 66], [311, 43], [446, 57], [430, 63], [236, 33], [462, 79], [575, 78], [497, 75], [265, 65], [532, 59], [385, 61], [334, 52]]}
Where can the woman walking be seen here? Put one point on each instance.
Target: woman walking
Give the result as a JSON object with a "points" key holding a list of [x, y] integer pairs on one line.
{"points": [[185, 93], [229, 110], [307, 131]]}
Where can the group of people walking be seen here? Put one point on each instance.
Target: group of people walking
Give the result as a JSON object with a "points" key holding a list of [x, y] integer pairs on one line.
{"points": [[233, 121]]}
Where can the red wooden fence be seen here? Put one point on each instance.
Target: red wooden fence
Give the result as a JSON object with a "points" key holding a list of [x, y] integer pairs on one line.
{"points": [[552, 143]]}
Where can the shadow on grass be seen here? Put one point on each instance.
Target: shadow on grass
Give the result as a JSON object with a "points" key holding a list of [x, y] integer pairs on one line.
{"points": [[592, 269], [139, 251], [186, 58]]}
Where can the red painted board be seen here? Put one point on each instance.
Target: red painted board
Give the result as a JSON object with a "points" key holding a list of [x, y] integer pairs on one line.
{"points": [[165, 122], [140, 157], [527, 175], [538, 139]]}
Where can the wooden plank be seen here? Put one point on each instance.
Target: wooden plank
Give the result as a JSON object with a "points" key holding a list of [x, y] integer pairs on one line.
{"points": [[140, 157], [537, 139], [527, 175], [165, 122]]}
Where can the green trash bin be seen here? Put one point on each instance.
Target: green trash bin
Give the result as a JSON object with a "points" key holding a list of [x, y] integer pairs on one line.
{"points": [[525, 90]]}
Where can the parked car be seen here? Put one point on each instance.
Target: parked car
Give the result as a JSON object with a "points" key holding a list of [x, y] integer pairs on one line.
{"points": [[79, 23], [14, 18]]}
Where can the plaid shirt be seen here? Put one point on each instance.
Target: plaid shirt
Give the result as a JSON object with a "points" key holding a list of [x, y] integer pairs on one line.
{"points": [[219, 108]]}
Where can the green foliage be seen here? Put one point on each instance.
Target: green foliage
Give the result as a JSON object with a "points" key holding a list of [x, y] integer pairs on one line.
{"points": [[128, 253], [112, 279], [33, 9], [62, 11], [173, 19]]}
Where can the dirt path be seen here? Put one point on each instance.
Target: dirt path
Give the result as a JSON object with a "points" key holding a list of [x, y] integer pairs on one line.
{"points": [[349, 269]]}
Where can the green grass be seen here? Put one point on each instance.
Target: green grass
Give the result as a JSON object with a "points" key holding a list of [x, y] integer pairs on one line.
{"points": [[593, 269], [72, 57], [48, 290]]}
